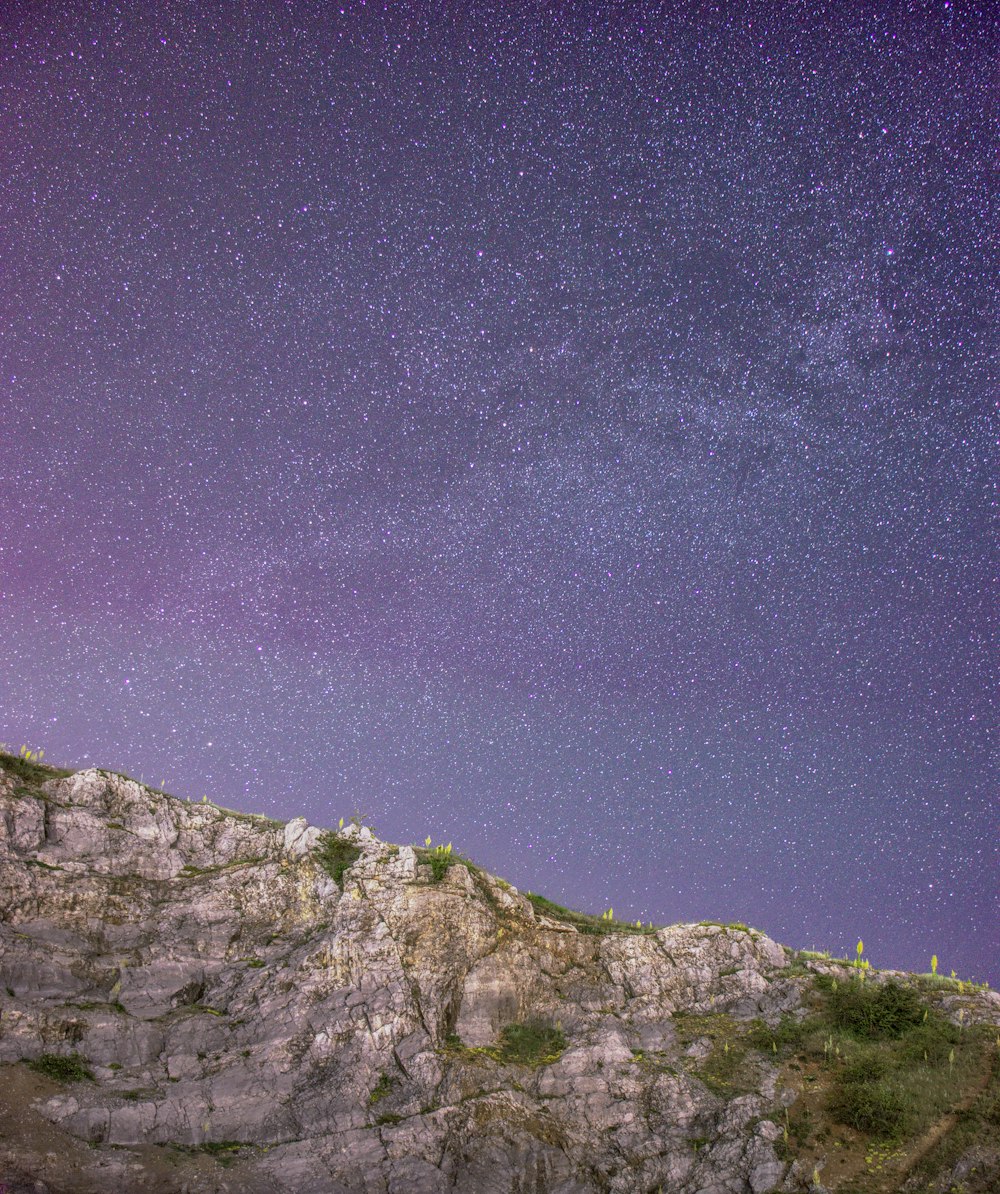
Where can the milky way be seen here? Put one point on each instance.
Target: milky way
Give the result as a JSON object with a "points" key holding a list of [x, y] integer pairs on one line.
{"points": [[562, 430]]}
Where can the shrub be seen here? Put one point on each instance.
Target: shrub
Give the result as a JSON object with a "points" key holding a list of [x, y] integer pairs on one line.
{"points": [[789, 1033], [335, 855], [875, 1012], [934, 1038], [872, 1107], [868, 1066]]}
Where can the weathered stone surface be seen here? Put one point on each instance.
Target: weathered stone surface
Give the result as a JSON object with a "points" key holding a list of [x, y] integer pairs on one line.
{"points": [[223, 988]]}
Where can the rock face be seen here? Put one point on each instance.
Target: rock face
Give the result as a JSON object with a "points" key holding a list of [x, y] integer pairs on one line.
{"points": [[223, 988]]}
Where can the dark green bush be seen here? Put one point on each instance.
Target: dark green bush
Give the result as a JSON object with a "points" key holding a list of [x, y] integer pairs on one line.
{"points": [[872, 1107], [936, 1038], [788, 1033], [865, 1067], [874, 1011]]}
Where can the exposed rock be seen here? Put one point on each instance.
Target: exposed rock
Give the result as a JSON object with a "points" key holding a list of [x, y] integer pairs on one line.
{"points": [[223, 987]]}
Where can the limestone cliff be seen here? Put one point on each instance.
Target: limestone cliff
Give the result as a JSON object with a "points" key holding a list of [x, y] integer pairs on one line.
{"points": [[248, 1005]]}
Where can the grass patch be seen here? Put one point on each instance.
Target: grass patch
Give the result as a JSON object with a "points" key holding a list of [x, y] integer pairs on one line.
{"points": [[98, 1005], [787, 1036], [583, 922], [189, 870], [383, 1088], [890, 1064], [725, 1070], [737, 926], [224, 1151], [32, 774], [335, 855], [72, 1068], [438, 861], [533, 1042]]}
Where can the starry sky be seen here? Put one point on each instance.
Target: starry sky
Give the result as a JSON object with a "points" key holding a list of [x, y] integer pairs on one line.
{"points": [[561, 429]]}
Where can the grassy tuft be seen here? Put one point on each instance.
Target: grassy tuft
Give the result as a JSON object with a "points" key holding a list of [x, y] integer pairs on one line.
{"points": [[533, 1042], [383, 1088], [583, 922], [335, 855], [62, 1069]]}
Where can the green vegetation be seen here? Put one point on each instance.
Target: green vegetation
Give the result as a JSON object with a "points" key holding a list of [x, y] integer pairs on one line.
{"points": [[875, 1012], [864, 1099], [190, 871], [533, 1042], [71, 1068], [786, 1036], [877, 1058], [441, 858], [727, 1069], [883, 1060], [30, 772], [583, 922], [976, 1127], [224, 1151], [382, 1088], [335, 855], [736, 925]]}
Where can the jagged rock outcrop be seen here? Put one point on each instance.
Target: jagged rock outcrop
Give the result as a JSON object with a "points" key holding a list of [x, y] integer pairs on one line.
{"points": [[223, 988]]}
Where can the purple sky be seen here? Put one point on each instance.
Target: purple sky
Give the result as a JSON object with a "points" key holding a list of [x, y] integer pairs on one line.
{"points": [[563, 430]]}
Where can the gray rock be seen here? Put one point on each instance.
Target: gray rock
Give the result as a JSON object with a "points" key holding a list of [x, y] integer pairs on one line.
{"points": [[223, 987]]}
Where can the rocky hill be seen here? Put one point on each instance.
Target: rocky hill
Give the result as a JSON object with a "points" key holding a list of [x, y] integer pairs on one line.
{"points": [[193, 999]]}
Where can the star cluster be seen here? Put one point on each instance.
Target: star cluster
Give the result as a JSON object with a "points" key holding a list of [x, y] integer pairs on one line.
{"points": [[565, 430]]}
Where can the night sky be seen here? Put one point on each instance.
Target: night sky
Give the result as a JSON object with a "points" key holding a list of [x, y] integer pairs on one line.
{"points": [[564, 430]]}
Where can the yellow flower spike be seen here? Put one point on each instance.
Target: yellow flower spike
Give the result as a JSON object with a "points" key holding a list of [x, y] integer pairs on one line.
{"points": [[427, 840], [933, 963]]}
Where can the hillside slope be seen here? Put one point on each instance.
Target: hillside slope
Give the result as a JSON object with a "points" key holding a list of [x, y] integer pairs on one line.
{"points": [[212, 1001]]}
